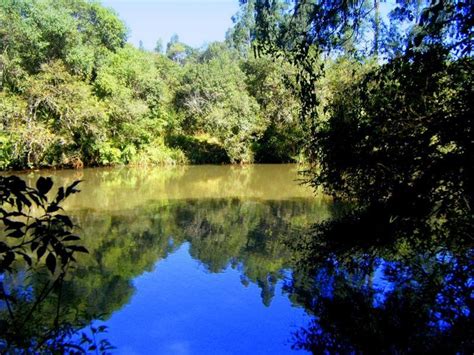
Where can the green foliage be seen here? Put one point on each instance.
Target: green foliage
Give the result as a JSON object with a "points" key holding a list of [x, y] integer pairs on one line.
{"points": [[272, 84], [200, 149], [404, 129], [214, 100], [79, 32], [73, 94]]}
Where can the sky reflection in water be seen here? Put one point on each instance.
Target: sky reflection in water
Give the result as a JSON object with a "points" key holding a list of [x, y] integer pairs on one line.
{"points": [[182, 308], [221, 259]]}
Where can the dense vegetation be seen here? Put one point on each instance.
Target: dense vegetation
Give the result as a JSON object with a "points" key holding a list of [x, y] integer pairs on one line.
{"points": [[36, 253], [73, 94], [392, 133], [390, 115]]}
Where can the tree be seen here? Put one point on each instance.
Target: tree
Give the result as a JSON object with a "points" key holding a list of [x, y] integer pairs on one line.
{"points": [[214, 100], [271, 83], [159, 46], [343, 140], [67, 98], [79, 33]]}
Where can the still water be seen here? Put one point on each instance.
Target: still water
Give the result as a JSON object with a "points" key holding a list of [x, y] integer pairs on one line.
{"points": [[245, 259], [190, 260]]}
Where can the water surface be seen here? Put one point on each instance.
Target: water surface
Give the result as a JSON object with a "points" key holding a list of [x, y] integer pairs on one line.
{"points": [[190, 259], [245, 259]]}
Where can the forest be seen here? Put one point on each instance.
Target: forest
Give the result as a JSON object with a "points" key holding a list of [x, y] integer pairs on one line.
{"points": [[74, 94], [374, 97]]}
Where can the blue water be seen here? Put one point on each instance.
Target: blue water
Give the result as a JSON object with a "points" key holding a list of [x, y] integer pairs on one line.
{"points": [[190, 260], [218, 260], [180, 308]]}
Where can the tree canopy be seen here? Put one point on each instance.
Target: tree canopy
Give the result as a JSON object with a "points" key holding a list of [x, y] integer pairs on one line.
{"points": [[74, 94]]}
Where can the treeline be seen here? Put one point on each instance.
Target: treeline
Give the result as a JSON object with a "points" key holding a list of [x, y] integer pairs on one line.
{"points": [[73, 93]]}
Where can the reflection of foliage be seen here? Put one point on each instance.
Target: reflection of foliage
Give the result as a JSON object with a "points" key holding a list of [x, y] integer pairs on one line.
{"points": [[31, 318], [121, 247], [247, 236], [384, 287]]}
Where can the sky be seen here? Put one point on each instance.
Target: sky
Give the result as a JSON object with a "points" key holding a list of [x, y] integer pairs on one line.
{"points": [[197, 22]]}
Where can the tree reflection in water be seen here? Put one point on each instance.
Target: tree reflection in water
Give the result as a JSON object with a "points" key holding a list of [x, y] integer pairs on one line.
{"points": [[400, 286], [396, 287], [371, 287]]}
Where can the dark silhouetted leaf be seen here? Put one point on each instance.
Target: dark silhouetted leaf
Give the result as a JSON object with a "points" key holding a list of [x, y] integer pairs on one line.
{"points": [[51, 262], [13, 224], [40, 252], [65, 219], [8, 258], [26, 257], [71, 237], [34, 245], [71, 188], [34, 198], [23, 199], [53, 208], [16, 184], [78, 248], [16, 234], [44, 185], [60, 195], [3, 247]]}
